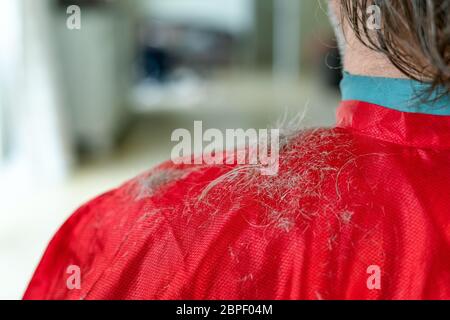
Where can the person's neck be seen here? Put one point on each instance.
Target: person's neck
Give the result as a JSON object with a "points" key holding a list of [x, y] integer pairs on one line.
{"points": [[360, 60]]}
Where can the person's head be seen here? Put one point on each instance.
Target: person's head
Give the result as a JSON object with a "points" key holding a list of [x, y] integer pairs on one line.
{"points": [[410, 38]]}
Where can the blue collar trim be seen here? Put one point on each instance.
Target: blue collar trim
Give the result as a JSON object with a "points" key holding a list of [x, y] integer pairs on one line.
{"points": [[398, 94]]}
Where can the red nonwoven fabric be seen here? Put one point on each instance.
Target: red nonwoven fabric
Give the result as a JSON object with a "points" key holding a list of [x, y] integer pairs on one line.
{"points": [[370, 194]]}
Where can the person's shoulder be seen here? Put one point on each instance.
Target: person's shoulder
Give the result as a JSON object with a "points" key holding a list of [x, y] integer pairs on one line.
{"points": [[196, 203], [310, 164], [312, 168], [321, 150]]}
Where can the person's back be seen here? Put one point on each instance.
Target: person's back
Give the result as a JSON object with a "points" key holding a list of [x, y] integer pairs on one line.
{"points": [[359, 211]]}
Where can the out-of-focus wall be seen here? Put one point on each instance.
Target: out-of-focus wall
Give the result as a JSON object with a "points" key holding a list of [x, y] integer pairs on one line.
{"points": [[95, 66], [10, 68], [234, 16]]}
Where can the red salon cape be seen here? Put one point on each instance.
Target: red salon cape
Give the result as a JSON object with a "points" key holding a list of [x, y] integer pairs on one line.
{"points": [[360, 211]]}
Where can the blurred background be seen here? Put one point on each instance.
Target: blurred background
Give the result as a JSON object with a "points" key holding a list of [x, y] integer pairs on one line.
{"points": [[84, 109]]}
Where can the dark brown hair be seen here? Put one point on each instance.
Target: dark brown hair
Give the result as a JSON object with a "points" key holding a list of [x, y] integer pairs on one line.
{"points": [[414, 35]]}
